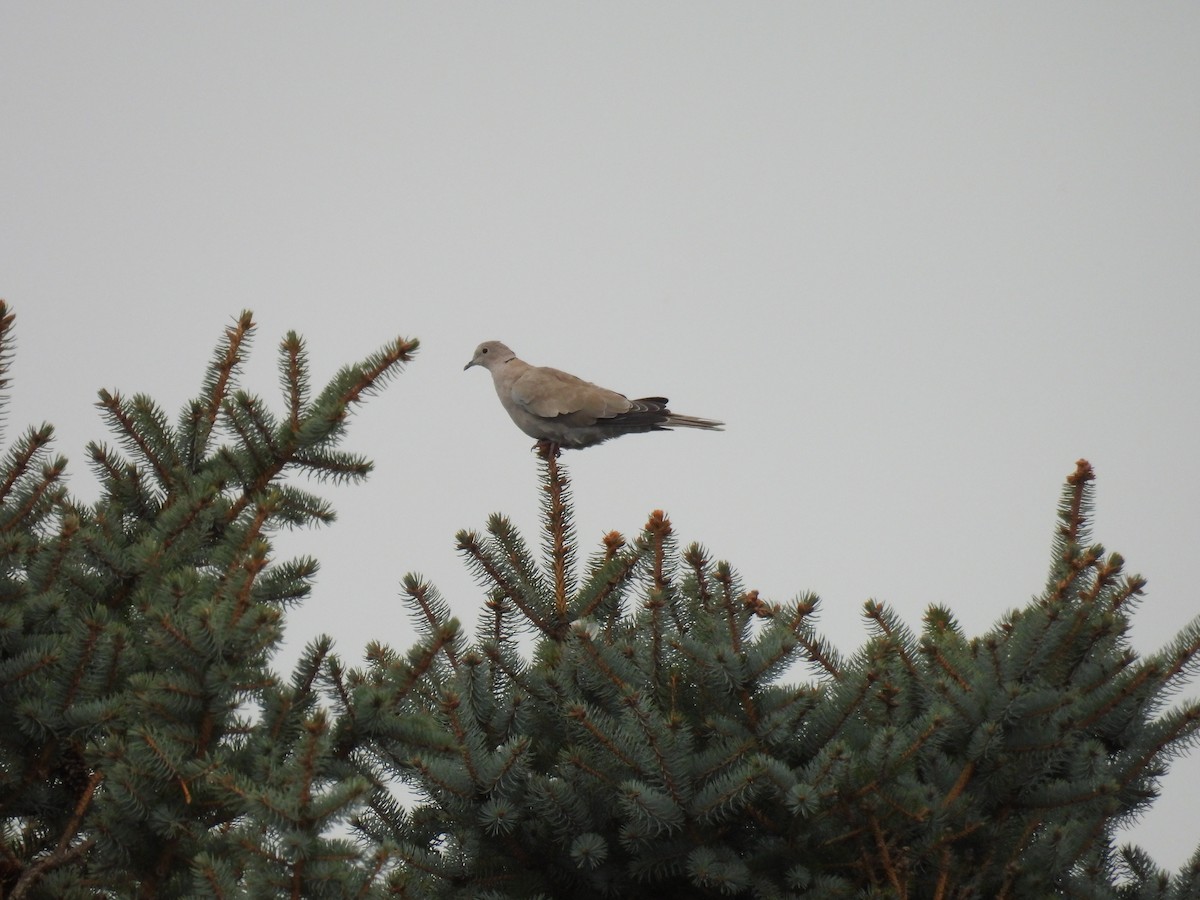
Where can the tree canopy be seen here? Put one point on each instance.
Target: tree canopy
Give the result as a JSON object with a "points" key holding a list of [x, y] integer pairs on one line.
{"points": [[669, 733]]}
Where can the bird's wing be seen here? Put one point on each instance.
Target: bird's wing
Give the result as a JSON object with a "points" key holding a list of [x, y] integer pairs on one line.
{"points": [[550, 393]]}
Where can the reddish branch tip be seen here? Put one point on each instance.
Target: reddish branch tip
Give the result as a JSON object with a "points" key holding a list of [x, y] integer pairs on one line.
{"points": [[757, 605], [1083, 473], [659, 523]]}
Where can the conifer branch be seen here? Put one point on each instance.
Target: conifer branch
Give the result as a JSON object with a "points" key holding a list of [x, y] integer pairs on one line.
{"points": [[36, 665], [257, 428], [1070, 559], [249, 544], [949, 838], [293, 371], [378, 369], [59, 857], [21, 456], [1074, 513], [429, 774], [123, 422], [41, 492], [943, 880], [558, 527], [95, 630], [876, 612], [419, 859], [1186, 726], [1105, 576], [7, 318], [781, 654], [965, 774], [326, 418], [421, 661], [468, 543], [658, 529], [220, 376], [309, 757], [1183, 654], [69, 527], [579, 713], [697, 560], [185, 525], [724, 578], [107, 465], [576, 760], [151, 422], [850, 703], [1134, 686], [262, 469], [817, 649], [934, 652], [622, 569], [514, 755], [613, 544], [1132, 587], [336, 467], [624, 690], [374, 870], [499, 611], [508, 553], [433, 611], [252, 567], [890, 867], [664, 765]]}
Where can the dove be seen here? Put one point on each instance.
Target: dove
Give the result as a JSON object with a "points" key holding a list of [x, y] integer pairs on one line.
{"points": [[562, 410]]}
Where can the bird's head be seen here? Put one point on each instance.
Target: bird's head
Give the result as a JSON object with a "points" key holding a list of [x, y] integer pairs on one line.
{"points": [[490, 354]]}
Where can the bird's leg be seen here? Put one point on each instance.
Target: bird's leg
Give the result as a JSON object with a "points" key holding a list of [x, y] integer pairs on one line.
{"points": [[547, 449]]}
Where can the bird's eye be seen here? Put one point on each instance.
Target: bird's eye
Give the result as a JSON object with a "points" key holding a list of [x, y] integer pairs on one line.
{"points": [[485, 349]]}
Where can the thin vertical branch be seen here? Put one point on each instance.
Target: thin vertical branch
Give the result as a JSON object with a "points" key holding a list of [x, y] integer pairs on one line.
{"points": [[1073, 515], [556, 526], [220, 372]]}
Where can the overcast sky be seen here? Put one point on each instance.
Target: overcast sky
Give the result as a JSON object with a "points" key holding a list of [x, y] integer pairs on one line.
{"points": [[920, 257]]}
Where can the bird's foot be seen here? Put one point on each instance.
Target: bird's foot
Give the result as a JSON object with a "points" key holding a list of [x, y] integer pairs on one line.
{"points": [[547, 449]]}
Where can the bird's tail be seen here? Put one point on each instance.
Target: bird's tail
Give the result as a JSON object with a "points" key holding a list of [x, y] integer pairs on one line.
{"points": [[675, 420]]}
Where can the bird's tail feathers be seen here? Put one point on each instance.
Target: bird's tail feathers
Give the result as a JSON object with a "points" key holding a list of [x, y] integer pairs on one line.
{"points": [[676, 420]]}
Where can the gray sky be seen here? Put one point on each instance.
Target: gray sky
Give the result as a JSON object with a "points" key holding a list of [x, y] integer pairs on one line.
{"points": [[920, 257]]}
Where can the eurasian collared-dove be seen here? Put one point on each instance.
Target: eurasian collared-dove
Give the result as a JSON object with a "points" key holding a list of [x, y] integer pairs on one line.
{"points": [[564, 411]]}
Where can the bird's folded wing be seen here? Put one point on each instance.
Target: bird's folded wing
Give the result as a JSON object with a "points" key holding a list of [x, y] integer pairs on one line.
{"points": [[549, 393]]}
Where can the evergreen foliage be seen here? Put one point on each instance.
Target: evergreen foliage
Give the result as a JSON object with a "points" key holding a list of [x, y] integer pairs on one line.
{"points": [[654, 746], [146, 748], [669, 734]]}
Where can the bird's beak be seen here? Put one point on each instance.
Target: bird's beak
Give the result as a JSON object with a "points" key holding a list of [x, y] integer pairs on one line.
{"points": [[468, 365]]}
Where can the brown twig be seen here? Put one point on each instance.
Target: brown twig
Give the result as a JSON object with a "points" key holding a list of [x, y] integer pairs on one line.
{"points": [[64, 852]]}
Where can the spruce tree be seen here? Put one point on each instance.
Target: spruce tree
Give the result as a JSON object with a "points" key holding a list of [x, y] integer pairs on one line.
{"points": [[660, 741], [636, 723], [146, 747]]}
